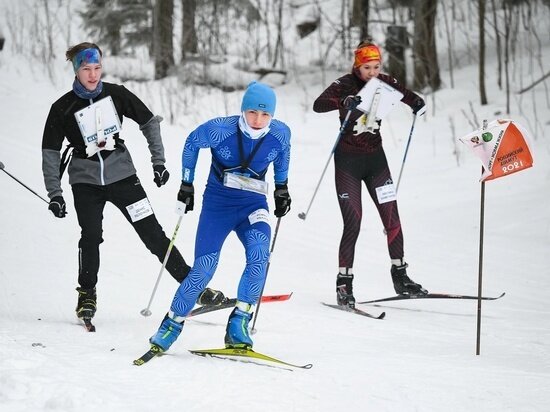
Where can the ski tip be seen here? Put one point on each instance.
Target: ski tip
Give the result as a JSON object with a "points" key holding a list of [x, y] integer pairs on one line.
{"points": [[147, 356]]}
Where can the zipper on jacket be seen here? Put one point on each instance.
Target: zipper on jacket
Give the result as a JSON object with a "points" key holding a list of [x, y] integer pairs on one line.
{"points": [[101, 168], [101, 163]]}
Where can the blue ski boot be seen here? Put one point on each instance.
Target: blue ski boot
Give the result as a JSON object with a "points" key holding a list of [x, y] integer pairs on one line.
{"points": [[236, 332], [167, 334]]}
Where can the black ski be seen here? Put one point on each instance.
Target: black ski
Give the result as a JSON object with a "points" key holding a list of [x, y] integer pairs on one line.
{"points": [[90, 327], [355, 310], [147, 356], [431, 296], [230, 302]]}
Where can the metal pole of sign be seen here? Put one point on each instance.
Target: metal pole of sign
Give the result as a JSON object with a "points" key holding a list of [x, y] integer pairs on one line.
{"points": [[480, 272]]}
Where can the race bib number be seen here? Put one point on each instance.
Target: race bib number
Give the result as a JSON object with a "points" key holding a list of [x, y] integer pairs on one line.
{"points": [[139, 210], [260, 215], [386, 193]]}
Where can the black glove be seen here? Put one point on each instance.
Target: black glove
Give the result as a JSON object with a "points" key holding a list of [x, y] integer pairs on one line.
{"points": [[187, 195], [161, 175], [351, 102], [57, 206], [417, 105], [282, 200]]}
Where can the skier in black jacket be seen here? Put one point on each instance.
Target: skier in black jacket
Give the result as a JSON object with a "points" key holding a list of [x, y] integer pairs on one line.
{"points": [[101, 169]]}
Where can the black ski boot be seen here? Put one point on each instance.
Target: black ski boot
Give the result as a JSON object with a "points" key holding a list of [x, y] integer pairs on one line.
{"points": [[210, 297], [402, 284], [344, 290], [86, 306]]}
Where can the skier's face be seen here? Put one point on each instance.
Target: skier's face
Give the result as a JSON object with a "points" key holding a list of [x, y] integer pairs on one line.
{"points": [[369, 70], [89, 75], [257, 119]]}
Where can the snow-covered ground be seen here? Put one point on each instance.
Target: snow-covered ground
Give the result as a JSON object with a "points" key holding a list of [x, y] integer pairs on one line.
{"points": [[420, 358]]}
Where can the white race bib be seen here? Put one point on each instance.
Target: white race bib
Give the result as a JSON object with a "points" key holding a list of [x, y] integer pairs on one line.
{"points": [[386, 193], [260, 215], [99, 118], [139, 210], [244, 183]]}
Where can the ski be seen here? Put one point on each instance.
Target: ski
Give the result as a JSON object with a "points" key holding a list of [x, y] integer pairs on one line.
{"points": [[246, 355], [90, 327], [432, 296], [147, 356], [230, 302], [356, 311]]}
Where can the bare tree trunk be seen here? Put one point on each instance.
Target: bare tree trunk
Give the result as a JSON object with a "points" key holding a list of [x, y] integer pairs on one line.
{"points": [[426, 66], [49, 55], [396, 42], [163, 47], [482, 92], [189, 42], [507, 27], [499, 46], [360, 17], [347, 19], [364, 19], [279, 49], [449, 46]]}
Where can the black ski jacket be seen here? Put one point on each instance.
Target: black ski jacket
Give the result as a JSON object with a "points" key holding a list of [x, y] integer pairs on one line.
{"points": [[349, 85], [105, 167]]}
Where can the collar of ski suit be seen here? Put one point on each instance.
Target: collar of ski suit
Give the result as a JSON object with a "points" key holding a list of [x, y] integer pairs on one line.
{"points": [[249, 131]]}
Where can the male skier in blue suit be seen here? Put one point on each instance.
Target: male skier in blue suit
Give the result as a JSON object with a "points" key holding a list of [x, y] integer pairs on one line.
{"points": [[242, 146]]}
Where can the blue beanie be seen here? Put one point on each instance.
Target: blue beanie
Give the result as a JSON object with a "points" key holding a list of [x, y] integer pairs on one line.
{"points": [[259, 96]]}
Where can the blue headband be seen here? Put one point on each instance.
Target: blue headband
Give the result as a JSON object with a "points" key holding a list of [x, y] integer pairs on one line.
{"points": [[86, 56]]}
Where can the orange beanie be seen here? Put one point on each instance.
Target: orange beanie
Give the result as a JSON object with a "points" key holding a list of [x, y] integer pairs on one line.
{"points": [[366, 54]]}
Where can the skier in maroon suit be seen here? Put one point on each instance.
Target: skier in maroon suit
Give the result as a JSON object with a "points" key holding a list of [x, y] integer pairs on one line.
{"points": [[359, 157]]}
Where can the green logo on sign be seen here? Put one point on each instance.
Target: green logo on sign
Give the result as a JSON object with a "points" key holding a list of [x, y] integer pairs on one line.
{"points": [[487, 137]]}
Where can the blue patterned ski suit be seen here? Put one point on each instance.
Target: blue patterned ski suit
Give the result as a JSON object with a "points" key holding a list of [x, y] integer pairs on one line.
{"points": [[227, 209]]}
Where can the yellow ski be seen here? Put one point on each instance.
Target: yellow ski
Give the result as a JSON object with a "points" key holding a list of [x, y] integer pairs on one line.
{"points": [[244, 355]]}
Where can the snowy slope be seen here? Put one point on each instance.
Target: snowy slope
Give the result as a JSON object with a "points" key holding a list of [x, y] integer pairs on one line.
{"points": [[420, 358]]}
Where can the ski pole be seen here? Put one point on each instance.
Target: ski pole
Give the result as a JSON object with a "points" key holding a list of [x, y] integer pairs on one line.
{"points": [[21, 183], [303, 215], [253, 330], [147, 310], [405, 155]]}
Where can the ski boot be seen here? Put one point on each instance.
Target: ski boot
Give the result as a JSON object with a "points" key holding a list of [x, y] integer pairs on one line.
{"points": [[167, 334], [344, 290], [86, 306], [402, 284], [210, 297], [236, 332]]}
